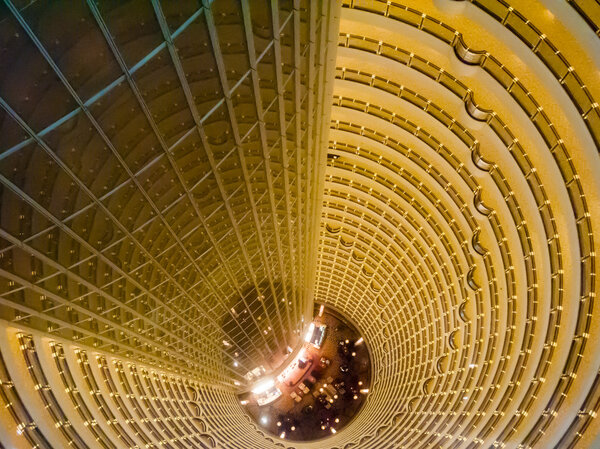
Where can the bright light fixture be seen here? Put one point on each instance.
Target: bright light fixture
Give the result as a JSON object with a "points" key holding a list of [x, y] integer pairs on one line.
{"points": [[263, 386], [301, 354], [309, 333]]}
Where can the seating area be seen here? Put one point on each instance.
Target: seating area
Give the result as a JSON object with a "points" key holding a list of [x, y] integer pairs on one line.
{"points": [[323, 389]]}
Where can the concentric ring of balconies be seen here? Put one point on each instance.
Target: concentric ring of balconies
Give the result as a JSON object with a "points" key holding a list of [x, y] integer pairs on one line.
{"points": [[512, 327]]}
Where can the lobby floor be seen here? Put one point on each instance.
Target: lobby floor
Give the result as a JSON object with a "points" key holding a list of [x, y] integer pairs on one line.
{"points": [[321, 397]]}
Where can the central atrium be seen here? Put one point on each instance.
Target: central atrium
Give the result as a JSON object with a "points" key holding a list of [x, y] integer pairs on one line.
{"points": [[301, 224]]}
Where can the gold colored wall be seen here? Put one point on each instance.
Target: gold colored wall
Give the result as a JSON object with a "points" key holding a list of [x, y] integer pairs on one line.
{"points": [[180, 183]]}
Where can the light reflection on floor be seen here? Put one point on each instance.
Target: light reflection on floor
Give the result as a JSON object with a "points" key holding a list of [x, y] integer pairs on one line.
{"points": [[322, 395]]}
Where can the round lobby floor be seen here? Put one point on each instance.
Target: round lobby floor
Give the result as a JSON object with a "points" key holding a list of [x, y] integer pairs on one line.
{"points": [[323, 388]]}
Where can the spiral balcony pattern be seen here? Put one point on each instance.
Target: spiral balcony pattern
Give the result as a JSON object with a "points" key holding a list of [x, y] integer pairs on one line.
{"points": [[180, 182]]}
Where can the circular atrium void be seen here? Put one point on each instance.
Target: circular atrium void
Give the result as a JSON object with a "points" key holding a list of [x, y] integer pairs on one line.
{"points": [[322, 388]]}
